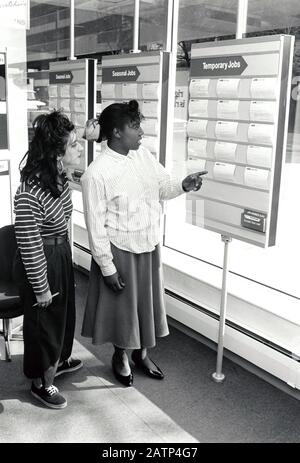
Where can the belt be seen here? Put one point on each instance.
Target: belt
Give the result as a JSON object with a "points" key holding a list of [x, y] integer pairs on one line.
{"points": [[54, 240]]}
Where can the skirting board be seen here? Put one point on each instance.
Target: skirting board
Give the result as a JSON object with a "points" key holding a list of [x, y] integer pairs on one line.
{"points": [[259, 355], [250, 348]]}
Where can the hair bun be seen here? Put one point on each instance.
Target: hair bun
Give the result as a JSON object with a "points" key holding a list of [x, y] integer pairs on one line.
{"points": [[133, 105]]}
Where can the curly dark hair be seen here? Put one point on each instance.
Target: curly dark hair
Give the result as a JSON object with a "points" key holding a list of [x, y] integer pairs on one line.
{"points": [[51, 133], [117, 115]]}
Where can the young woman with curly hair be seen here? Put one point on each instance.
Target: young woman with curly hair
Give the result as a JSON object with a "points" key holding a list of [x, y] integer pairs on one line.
{"points": [[43, 265]]}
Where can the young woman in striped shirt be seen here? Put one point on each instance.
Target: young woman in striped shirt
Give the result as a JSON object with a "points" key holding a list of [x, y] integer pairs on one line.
{"points": [[43, 266], [122, 190]]}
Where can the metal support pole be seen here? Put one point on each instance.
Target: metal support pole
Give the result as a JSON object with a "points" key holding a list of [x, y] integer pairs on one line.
{"points": [[72, 29], [241, 25], [218, 376], [136, 25], [171, 47], [172, 26]]}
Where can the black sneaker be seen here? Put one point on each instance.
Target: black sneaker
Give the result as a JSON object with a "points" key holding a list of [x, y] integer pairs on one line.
{"points": [[68, 366], [49, 396]]}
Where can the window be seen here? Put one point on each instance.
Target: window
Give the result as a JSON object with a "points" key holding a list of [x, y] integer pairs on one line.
{"points": [[107, 27], [103, 27], [273, 267], [153, 24], [49, 30]]}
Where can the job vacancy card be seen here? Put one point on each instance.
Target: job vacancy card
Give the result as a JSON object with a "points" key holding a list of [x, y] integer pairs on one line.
{"points": [[53, 103], [261, 133], [198, 108], [79, 90], [197, 147], [195, 165], [150, 126], [259, 155], [228, 88], [79, 106], [65, 91], [225, 150], [263, 111], [52, 91], [108, 91], [227, 130], [129, 91], [257, 178], [228, 109], [199, 88], [263, 87], [65, 104], [150, 108], [197, 128], [150, 90], [223, 171]]}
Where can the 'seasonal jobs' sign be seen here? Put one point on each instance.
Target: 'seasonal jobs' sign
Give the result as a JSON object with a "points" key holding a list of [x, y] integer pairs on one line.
{"points": [[61, 77], [121, 74]]}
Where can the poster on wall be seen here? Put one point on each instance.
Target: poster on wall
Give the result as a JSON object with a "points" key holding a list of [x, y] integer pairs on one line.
{"points": [[3, 104], [15, 14], [237, 127]]}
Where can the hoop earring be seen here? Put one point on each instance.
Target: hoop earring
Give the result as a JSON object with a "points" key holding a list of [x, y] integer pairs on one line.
{"points": [[60, 166]]}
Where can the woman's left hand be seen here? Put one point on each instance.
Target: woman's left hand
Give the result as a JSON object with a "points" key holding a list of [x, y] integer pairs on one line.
{"points": [[114, 282], [193, 182], [92, 130]]}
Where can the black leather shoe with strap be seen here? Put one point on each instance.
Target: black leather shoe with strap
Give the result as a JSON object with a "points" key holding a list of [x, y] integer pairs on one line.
{"points": [[155, 374], [125, 380]]}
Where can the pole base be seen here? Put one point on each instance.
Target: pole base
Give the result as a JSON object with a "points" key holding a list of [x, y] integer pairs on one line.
{"points": [[218, 377]]}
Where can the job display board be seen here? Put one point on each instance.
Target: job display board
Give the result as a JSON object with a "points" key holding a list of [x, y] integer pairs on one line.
{"points": [[141, 77], [3, 104], [72, 88], [237, 128]]}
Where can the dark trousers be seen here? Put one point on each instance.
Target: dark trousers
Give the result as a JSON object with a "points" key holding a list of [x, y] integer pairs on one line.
{"points": [[48, 332]]}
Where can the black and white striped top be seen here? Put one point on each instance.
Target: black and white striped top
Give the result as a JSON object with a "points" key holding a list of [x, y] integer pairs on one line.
{"points": [[39, 214]]}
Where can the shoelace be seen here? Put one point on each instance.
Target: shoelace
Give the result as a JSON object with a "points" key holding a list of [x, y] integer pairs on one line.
{"points": [[51, 390]]}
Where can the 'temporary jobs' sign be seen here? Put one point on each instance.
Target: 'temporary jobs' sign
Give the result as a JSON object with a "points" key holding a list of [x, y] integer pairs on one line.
{"points": [[218, 66], [120, 74], [14, 13]]}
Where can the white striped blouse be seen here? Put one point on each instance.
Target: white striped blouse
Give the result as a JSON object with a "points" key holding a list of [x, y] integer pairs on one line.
{"points": [[39, 214], [121, 198]]}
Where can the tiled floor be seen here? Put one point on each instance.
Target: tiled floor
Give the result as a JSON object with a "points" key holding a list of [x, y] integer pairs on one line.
{"points": [[98, 410], [187, 406]]}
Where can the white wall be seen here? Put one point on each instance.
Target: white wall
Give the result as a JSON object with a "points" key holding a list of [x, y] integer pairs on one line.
{"points": [[13, 43]]}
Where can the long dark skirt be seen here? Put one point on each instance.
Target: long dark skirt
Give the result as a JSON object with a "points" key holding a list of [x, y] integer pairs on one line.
{"points": [[48, 333], [134, 317]]}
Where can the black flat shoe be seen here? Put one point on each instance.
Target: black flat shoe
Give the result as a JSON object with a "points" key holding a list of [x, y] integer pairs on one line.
{"points": [[155, 374], [125, 380]]}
